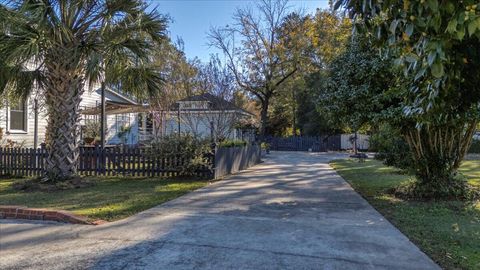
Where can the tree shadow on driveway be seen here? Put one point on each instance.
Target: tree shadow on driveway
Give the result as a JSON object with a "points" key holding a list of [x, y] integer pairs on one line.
{"points": [[291, 212]]}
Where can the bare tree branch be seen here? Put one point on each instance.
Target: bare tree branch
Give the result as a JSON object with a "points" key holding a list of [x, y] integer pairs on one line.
{"points": [[257, 59]]}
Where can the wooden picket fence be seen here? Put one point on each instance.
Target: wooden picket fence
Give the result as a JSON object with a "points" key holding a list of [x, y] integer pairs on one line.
{"points": [[120, 160]]}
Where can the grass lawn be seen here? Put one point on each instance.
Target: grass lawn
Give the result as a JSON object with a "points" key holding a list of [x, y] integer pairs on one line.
{"points": [[111, 198], [449, 232]]}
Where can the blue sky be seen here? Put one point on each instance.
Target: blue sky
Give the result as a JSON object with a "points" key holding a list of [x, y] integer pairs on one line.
{"points": [[192, 19]]}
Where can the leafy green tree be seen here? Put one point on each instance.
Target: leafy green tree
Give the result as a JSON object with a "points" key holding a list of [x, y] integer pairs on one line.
{"points": [[293, 34], [355, 92], [438, 45], [180, 81], [312, 120], [329, 32], [61, 46], [322, 36], [179, 73]]}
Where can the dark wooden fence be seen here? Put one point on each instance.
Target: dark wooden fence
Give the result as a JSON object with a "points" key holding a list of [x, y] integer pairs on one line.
{"points": [[305, 143], [126, 161], [230, 160]]}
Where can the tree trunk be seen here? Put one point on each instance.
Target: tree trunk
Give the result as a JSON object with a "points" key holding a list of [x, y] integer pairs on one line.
{"points": [[438, 152], [64, 88], [294, 113], [264, 119], [294, 121]]}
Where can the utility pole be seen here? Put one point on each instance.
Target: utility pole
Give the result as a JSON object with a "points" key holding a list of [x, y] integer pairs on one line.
{"points": [[103, 124], [178, 118]]}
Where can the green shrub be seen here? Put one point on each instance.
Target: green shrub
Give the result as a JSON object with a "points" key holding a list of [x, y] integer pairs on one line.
{"points": [[232, 143], [391, 148], [91, 129], [265, 146], [192, 150]]}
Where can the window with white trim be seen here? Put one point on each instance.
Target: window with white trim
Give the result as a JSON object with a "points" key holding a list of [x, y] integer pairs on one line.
{"points": [[18, 116], [123, 121]]}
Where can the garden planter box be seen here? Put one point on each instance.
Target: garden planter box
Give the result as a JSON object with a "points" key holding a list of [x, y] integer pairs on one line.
{"points": [[230, 160]]}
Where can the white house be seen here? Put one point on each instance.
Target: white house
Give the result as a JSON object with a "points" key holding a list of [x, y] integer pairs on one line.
{"points": [[17, 121], [121, 112], [207, 115], [201, 115]]}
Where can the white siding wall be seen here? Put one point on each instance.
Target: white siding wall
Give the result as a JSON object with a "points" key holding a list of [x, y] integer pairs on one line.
{"points": [[26, 137], [193, 124], [91, 98], [196, 126], [113, 127]]}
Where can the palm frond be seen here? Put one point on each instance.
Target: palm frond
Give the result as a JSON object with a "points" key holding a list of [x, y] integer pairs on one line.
{"points": [[111, 40], [18, 83], [94, 69], [140, 81]]}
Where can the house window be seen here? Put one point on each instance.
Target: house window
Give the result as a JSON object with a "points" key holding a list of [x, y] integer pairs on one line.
{"points": [[149, 122], [18, 116], [145, 121], [123, 121]]}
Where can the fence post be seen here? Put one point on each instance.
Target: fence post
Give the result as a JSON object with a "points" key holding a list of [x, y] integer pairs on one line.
{"points": [[214, 153], [41, 159]]}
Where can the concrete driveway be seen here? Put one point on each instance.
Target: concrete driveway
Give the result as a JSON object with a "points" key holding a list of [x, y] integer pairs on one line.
{"points": [[291, 212]]}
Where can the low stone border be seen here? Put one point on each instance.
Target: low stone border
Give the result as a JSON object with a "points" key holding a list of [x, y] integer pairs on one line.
{"points": [[22, 212]]}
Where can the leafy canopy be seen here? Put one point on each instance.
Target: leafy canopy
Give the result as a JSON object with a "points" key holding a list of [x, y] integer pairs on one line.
{"points": [[437, 44], [361, 87], [108, 40], [317, 40]]}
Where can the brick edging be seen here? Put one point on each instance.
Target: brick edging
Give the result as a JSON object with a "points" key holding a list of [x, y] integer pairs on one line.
{"points": [[22, 212]]}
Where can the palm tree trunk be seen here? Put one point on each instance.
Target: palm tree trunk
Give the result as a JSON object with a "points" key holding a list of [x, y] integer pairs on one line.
{"points": [[64, 88]]}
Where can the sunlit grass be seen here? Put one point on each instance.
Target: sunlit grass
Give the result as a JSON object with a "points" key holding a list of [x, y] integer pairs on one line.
{"points": [[471, 169], [449, 232], [111, 198]]}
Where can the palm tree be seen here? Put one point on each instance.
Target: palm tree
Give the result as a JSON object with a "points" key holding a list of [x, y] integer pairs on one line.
{"points": [[60, 47]]}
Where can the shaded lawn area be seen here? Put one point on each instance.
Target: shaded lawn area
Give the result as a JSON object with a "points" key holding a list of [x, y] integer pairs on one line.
{"points": [[449, 232], [111, 198]]}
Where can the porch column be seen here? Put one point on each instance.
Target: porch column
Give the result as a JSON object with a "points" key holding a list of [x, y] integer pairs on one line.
{"points": [[35, 126], [103, 119]]}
